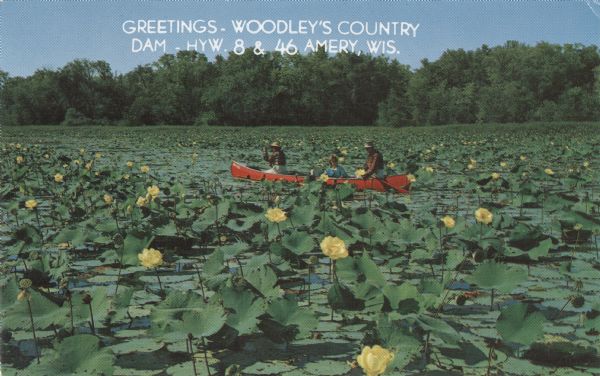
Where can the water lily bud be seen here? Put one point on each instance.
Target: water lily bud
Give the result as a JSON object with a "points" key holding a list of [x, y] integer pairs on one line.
{"points": [[87, 299], [578, 301], [23, 295], [448, 222], [31, 204], [461, 299], [312, 260]]}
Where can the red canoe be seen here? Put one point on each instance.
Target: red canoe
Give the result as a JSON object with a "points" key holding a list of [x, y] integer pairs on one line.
{"points": [[396, 183]]}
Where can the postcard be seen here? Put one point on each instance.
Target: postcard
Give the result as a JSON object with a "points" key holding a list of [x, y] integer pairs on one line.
{"points": [[319, 187]]}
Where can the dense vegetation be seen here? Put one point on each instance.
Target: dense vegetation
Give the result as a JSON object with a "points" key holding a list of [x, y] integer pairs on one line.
{"points": [[509, 83], [489, 266]]}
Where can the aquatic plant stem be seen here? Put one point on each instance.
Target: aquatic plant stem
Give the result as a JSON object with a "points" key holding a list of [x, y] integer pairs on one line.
{"points": [[92, 326], [35, 342], [190, 346], [162, 293], [205, 356]]}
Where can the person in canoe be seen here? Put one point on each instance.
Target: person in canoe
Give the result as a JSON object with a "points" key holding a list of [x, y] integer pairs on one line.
{"points": [[335, 170], [276, 159], [374, 165]]}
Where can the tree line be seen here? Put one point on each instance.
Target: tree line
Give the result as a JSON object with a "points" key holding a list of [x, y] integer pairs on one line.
{"points": [[514, 82]]}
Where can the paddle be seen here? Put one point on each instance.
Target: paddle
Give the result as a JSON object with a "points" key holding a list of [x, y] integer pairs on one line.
{"points": [[383, 182]]}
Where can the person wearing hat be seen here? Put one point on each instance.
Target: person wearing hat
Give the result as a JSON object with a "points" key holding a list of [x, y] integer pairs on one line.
{"points": [[335, 170], [374, 165], [276, 159]]}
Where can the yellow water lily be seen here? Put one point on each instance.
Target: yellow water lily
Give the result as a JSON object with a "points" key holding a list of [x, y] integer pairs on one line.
{"points": [[374, 360], [141, 201], [391, 165], [549, 171], [98, 155], [360, 172], [523, 158], [324, 178], [144, 169], [58, 178], [334, 247], [495, 175], [153, 191], [129, 164], [429, 169], [31, 204], [81, 151], [411, 178], [482, 215], [108, 199], [88, 166], [503, 164], [471, 166], [276, 215], [150, 258], [586, 164], [20, 159], [448, 221]]}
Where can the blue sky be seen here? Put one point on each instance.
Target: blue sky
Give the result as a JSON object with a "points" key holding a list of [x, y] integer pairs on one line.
{"points": [[36, 34]]}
